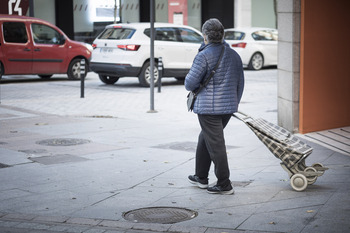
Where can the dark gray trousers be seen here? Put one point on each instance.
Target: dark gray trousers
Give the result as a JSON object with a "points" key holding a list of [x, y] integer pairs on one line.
{"points": [[211, 148]]}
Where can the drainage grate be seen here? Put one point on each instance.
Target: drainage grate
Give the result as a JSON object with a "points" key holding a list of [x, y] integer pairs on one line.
{"points": [[163, 215], [63, 142]]}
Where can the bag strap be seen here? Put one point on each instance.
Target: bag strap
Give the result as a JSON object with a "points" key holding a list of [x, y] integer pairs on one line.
{"points": [[212, 72]]}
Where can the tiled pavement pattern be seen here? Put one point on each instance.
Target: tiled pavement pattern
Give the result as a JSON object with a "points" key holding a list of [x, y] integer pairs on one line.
{"points": [[134, 159]]}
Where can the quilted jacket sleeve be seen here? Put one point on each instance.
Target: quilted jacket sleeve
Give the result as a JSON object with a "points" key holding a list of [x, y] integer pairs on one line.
{"points": [[240, 86], [196, 73]]}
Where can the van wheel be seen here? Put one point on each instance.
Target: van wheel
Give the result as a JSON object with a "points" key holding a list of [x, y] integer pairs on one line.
{"points": [[256, 62], [108, 79], [74, 69], [145, 75]]}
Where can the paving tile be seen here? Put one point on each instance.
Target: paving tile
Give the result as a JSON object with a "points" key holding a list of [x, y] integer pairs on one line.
{"points": [[84, 221]]}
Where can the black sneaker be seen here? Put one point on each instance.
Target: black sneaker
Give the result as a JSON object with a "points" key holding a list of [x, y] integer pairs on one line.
{"points": [[201, 183], [221, 190]]}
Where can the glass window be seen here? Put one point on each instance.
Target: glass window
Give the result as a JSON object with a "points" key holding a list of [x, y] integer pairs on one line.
{"points": [[117, 33], [176, 34], [265, 35], [190, 36], [164, 34], [43, 34], [234, 35], [15, 32]]}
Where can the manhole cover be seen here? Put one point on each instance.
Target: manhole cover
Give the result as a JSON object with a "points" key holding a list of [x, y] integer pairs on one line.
{"points": [[62, 142], [164, 215]]}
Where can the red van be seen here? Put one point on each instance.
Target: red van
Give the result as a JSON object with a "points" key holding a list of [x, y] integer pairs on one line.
{"points": [[33, 46]]}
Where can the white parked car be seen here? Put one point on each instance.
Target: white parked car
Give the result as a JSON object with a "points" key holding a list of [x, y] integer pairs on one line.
{"points": [[256, 46], [123, 50]]}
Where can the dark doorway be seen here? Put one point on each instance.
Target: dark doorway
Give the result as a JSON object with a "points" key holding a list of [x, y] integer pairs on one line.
{"points": [[220, 9]]}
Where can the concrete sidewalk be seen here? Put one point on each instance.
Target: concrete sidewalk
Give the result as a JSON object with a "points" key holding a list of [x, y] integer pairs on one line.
{"points": [[70, 164]]}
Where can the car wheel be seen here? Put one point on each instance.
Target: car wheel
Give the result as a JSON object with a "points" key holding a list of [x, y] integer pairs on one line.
{"points": [[108, 79], [145, 75], [256, 62], [45, 76], [74, 69]]}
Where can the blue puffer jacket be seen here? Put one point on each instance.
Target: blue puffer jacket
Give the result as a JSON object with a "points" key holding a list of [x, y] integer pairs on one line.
{"points": [[224, 91]]}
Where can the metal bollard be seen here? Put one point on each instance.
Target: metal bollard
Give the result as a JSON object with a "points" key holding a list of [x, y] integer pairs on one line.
{"points": [[82, 77], [160, 73]]}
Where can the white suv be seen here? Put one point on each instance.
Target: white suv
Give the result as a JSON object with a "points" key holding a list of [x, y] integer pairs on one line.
{"points": [[123, 50]]}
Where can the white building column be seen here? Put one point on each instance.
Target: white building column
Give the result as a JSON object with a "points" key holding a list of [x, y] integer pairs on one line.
{"points": [[243, 13], [288, 63]]}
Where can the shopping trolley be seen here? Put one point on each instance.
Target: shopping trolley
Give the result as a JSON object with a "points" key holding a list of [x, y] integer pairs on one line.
{"points": [[288, 148]]}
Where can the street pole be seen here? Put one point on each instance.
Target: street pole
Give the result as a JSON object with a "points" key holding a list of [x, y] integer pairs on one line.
{"points": [[152, 59], [82, 78]]}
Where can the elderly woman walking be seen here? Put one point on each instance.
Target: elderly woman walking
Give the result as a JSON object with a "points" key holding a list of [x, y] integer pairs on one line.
{"points": [[214, 105]]}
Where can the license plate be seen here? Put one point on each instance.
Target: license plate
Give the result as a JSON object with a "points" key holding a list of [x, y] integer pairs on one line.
{"points": [[106, 50]]}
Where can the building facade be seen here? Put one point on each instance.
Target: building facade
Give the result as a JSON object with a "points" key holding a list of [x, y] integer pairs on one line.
{"points": [[313, 81], [83, 20]]}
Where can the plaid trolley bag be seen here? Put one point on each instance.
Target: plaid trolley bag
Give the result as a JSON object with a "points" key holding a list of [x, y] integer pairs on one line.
{"points": [[288, 148]]}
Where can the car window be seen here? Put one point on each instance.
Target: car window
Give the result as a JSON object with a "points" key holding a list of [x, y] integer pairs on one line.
{"points": [[117, 33], [15, 32], [265, 35], [176, 34], [43, 34], [163, 34], [189, 36], [234, 35]]}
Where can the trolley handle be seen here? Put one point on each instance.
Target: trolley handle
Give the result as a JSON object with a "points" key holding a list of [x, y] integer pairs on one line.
{"points": [[242, 116]]}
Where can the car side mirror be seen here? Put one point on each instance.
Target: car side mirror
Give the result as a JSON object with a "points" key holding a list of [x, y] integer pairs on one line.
{"points": [[62, 40]]}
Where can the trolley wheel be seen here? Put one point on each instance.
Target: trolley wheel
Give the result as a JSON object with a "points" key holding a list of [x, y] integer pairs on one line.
{"points": [[311, 179], [298, 182], [317, 166]]}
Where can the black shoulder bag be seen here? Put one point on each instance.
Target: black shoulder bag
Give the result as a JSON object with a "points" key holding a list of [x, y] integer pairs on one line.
{"points": [[192, 95]]}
